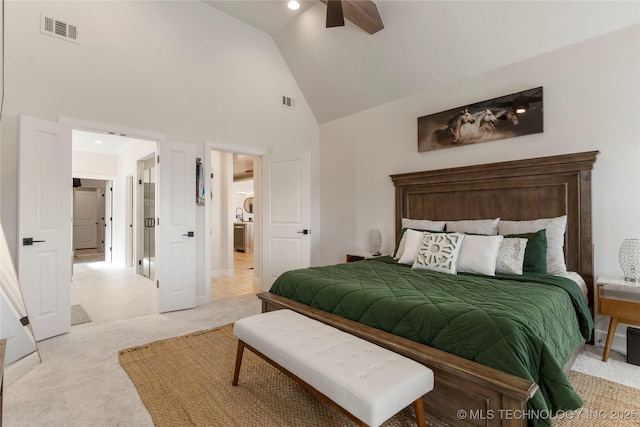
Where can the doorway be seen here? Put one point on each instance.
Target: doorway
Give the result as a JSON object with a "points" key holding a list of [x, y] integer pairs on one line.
{"points": [[233, 222], [92, 215], [105, 281]]}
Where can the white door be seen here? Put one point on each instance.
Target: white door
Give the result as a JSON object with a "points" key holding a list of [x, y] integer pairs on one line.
{"points": [[129, 224], [20, 340], [176, 226], [85, 219], [286, 214], [44, 225], [108, 222]]}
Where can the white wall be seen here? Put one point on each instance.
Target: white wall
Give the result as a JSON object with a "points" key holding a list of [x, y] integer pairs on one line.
{"points": [[85, 164], [591, 102], [178, 68], [221, 218]]}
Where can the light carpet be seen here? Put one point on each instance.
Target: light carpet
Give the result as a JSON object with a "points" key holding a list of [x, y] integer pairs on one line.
{"points": [[80, 382], [186, 381]]}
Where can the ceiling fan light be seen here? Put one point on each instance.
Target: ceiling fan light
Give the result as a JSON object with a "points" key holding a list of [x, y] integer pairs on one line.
{"points": [[293, 5], [521, 110]]}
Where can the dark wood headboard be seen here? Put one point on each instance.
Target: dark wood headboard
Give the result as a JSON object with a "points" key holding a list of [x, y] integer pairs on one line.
{"points": [[543, 187]]}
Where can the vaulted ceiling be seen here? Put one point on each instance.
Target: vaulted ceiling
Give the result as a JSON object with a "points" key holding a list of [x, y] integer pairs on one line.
{"points": [[425, 44]]}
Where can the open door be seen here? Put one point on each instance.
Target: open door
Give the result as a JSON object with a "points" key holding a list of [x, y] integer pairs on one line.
{"points": [[44, 226], [176, 226], [108, 221], [20, 341], [286, 214]]}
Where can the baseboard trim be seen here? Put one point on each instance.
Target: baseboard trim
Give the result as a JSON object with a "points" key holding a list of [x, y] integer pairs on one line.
{"points": [[221, 273]]}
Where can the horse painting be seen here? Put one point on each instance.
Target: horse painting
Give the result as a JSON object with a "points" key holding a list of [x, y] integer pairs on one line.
{"points": [[483, 121], [451, 134], [482, 127], [506, 114]]}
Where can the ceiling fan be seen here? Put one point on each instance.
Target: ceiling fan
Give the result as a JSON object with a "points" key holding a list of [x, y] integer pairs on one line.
{"points": [[363, 13]]}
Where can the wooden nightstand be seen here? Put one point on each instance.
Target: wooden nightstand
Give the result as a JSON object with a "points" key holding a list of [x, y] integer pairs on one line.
{"points": [[359, 256], [621, 301]]}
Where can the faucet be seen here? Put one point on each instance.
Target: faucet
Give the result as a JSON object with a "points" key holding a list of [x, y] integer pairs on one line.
{"points": [[240, 215]]}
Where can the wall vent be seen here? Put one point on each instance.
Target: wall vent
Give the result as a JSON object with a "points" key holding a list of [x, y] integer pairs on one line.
{"points": [[288, 102], [59, 29]]}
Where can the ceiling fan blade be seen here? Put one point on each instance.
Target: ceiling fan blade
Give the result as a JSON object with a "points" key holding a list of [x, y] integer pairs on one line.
{"points": [[335, 17]]}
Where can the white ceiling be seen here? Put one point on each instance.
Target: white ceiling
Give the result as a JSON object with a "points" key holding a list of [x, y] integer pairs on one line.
{"points": [[424, 44], [102, 143]]}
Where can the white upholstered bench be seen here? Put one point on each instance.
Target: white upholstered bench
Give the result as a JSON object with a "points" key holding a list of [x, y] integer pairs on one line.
{"points": [[366, 382]]}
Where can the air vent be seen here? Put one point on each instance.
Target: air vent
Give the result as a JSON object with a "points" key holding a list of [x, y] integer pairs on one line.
{"points": [[288, 102], [58, 29]]}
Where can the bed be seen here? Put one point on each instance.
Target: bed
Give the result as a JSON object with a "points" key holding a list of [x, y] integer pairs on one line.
{"points": [[469, 390]]}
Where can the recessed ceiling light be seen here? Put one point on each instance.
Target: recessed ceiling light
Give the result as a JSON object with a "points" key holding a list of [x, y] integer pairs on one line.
{"points": [[521, 110], [293, 5], [98, 142]]}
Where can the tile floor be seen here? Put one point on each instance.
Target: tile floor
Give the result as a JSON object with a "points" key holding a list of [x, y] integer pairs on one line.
{"points": [[109, 294]]}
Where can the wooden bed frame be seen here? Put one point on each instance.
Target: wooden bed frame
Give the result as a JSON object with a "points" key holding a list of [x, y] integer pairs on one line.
{"points": [[518, 190]]}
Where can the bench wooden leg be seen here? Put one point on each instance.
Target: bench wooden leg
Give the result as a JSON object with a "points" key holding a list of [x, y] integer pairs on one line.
{"points": [[419, 407], [236, 372]]}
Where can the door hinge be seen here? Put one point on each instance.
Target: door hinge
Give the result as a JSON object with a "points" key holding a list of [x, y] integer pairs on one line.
{"points": [[158, 158], [140, 181], [139, 262], [110, 249], [110, 188], [110, 218], [158, 221], [24, 321], [158, 284]]}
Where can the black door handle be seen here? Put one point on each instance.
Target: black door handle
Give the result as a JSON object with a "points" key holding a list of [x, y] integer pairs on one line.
{"points": [[305, 231], [28, 241], [189, 234]]}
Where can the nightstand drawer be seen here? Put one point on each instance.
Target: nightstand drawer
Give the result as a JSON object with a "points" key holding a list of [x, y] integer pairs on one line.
{"points": [[619, 308]]}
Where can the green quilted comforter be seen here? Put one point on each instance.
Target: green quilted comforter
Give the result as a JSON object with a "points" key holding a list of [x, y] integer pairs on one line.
{"points": [[526, 325]]}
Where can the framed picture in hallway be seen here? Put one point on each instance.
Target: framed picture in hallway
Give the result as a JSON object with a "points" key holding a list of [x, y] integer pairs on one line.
{"points": [[508, 116]]}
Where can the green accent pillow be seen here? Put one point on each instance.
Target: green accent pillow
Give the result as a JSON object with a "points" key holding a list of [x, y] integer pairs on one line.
{"points": [[535, 255]]}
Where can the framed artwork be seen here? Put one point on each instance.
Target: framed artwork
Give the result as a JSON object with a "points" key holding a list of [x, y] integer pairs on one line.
{"points": [[200, 199], [508, 116]]}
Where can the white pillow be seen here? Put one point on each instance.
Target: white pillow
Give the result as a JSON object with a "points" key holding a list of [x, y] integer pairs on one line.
{"points": [[555, 228], [412, 241], [511, 255], [423, 224], [439, 252], [487, 227], [400, 249], [478, 254]]}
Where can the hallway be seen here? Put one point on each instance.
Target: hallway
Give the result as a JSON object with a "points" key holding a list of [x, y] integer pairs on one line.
{"points": [[109, 294], [241, 283]]}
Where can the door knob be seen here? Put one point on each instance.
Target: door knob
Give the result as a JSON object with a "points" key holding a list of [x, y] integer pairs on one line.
{"points": [[28, 241]]}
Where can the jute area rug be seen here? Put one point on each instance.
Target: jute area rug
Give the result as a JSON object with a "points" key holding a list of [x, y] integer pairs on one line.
{"points": [[186, 381]]}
